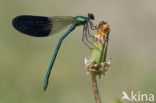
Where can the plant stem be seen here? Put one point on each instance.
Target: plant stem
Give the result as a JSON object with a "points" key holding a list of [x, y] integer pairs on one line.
{"points": [[95, 89]]}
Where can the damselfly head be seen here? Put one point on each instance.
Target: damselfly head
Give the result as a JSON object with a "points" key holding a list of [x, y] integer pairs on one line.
{"points": [[90, 16]]}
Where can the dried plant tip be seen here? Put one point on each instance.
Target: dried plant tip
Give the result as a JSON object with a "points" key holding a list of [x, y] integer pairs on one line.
{"points": [[97, 64], [102, 33]]}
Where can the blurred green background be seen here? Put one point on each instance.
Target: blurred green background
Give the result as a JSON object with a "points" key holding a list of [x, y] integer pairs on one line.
{"points": [[24, 60]]}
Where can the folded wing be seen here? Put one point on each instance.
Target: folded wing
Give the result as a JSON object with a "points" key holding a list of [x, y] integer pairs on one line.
{"points": [[40, 26]]}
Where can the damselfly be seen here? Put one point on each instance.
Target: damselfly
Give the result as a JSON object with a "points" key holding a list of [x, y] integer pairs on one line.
{"points": [[40, 26]]}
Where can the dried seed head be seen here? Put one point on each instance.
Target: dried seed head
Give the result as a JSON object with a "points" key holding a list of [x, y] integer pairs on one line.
{"points": [[102, 32], [97, 64]]}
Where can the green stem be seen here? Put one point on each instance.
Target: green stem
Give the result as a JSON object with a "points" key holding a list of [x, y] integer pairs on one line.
{"points": [[104, 52], [95, 89]]}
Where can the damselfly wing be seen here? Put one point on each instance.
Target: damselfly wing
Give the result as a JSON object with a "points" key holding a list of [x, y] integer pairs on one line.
{"points": [[40, 26]]}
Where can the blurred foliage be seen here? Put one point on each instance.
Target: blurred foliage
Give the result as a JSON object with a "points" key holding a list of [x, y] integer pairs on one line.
{"points": [[118, 101]]}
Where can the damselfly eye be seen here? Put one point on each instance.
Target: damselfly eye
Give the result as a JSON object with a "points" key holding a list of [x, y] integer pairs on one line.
{"points": [[90, 16]]}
